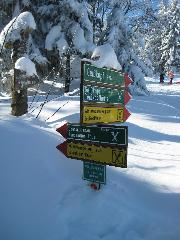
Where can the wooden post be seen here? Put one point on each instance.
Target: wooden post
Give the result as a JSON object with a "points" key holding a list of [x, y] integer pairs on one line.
{"points": [[19, 103]]}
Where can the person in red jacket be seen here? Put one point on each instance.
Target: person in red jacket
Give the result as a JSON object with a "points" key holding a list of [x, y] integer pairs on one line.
{"points": [[171, 76]]}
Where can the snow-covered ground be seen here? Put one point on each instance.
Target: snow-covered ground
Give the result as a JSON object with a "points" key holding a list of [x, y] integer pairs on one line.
{"points": [[43, 196]]}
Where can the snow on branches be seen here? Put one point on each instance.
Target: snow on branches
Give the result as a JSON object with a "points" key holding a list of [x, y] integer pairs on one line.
{"points": [[12, 31]]}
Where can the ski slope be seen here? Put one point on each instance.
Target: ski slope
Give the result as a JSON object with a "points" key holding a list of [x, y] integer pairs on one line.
{"points": [[43, 196]]}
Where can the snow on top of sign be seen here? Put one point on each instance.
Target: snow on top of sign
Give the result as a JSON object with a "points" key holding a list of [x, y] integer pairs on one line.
{"points": [[26, 65], [11, 31], [106, 57]]}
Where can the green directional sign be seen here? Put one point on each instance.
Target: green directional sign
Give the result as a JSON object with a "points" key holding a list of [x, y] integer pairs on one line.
{"points": [[94, 172], [102, 75], [102, 94], [117, 135]]}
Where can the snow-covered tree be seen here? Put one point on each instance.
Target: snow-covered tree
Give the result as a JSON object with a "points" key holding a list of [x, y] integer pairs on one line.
{"points": [[126, 45], [70, 30], [5, 12], [15, 36], [64, 29], [163, 37], [170, 46], [153, 38], [98, 11]]}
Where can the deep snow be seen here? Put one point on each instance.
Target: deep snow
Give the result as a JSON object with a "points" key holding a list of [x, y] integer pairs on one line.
{"points": [[43, 196]]}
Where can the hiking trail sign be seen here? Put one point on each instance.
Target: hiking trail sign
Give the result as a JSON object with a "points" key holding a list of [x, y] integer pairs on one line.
{"points": [[95, 143], [103, 95], [98, 114], [104, 76], [101, 134], [94, 172], [109, 155]]}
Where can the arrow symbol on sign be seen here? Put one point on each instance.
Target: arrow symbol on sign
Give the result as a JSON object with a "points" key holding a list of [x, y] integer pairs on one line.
{"points": [[63, 130], [126, 114], [127, 97], [63, 148], [127, 79]]}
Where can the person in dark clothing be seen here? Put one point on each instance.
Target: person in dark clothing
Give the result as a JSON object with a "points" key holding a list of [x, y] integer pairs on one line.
{"points": [[162, 74]]}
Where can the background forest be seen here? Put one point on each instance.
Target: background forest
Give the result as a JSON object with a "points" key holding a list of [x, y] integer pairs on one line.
{"points": [[143, 33], [43, 193]]}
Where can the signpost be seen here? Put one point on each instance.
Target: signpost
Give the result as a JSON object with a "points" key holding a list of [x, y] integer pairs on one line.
{"points": [[104, 134], [103, 96]]}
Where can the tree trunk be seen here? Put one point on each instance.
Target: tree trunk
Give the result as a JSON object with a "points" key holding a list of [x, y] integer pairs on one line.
{"points": [[19, 93], [19, 102], [67, 73]]}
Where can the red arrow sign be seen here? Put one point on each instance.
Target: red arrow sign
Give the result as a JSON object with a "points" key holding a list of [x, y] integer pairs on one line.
{"points": [[127, 79], [63, 148], [126, 114], [127, 97], [63, 130]]}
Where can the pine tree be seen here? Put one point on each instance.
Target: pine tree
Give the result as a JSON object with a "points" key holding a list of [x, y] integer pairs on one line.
{"points": [[170, 48], [126, 45], [15, 36], [98, 11], [64, 31], [163, 37], [154, 38]]}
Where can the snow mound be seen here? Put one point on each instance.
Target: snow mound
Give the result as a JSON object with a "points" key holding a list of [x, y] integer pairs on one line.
{"points": [[11, 31], [107, 57], [26, 65]]}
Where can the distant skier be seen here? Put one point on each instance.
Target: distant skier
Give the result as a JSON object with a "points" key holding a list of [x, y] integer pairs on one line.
{"points": [[171, 76], [162, 74]]}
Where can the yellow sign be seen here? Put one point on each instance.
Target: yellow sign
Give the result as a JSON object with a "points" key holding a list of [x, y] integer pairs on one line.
{"points": [[102, 114], [106, 155]]}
